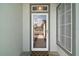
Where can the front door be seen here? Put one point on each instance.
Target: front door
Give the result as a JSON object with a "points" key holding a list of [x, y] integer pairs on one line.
{"points": [[39, 31]]}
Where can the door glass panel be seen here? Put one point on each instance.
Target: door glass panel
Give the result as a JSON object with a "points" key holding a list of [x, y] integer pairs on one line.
{"points": [[39, 31]]}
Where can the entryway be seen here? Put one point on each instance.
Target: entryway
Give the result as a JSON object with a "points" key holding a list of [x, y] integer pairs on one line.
{"points": [[39, 27]]}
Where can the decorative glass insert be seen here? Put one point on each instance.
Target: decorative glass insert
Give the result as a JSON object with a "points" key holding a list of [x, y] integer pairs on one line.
{"points": [[39, 8]]}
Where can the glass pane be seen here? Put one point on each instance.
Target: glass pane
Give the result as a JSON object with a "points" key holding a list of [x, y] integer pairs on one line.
{"points": [[68, 30], [62, 41], [68, 43], [68, 6], [39, 8], [68, 17], [39, 31], [34, 8]]}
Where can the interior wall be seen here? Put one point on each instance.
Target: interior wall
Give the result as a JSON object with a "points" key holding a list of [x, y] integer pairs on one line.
{"points": [[26, 27], [53, 46], [10, 29], [77, 29]]}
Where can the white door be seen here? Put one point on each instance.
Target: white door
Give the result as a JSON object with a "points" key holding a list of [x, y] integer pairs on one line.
{"points": [[39, 32]]}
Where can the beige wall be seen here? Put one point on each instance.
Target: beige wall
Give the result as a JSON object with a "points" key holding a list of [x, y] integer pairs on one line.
{"points": [[77, 29], [26, 27], [10, 29]]}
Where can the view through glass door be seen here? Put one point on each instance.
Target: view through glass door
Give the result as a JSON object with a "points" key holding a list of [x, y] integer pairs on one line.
{"points": [[39, 35]]}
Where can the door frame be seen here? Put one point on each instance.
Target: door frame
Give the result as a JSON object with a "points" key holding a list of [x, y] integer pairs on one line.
{"points": [[48, 24]]}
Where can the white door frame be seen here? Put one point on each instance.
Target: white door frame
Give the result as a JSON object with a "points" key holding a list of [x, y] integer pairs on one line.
{"points": [[47, 43]]}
